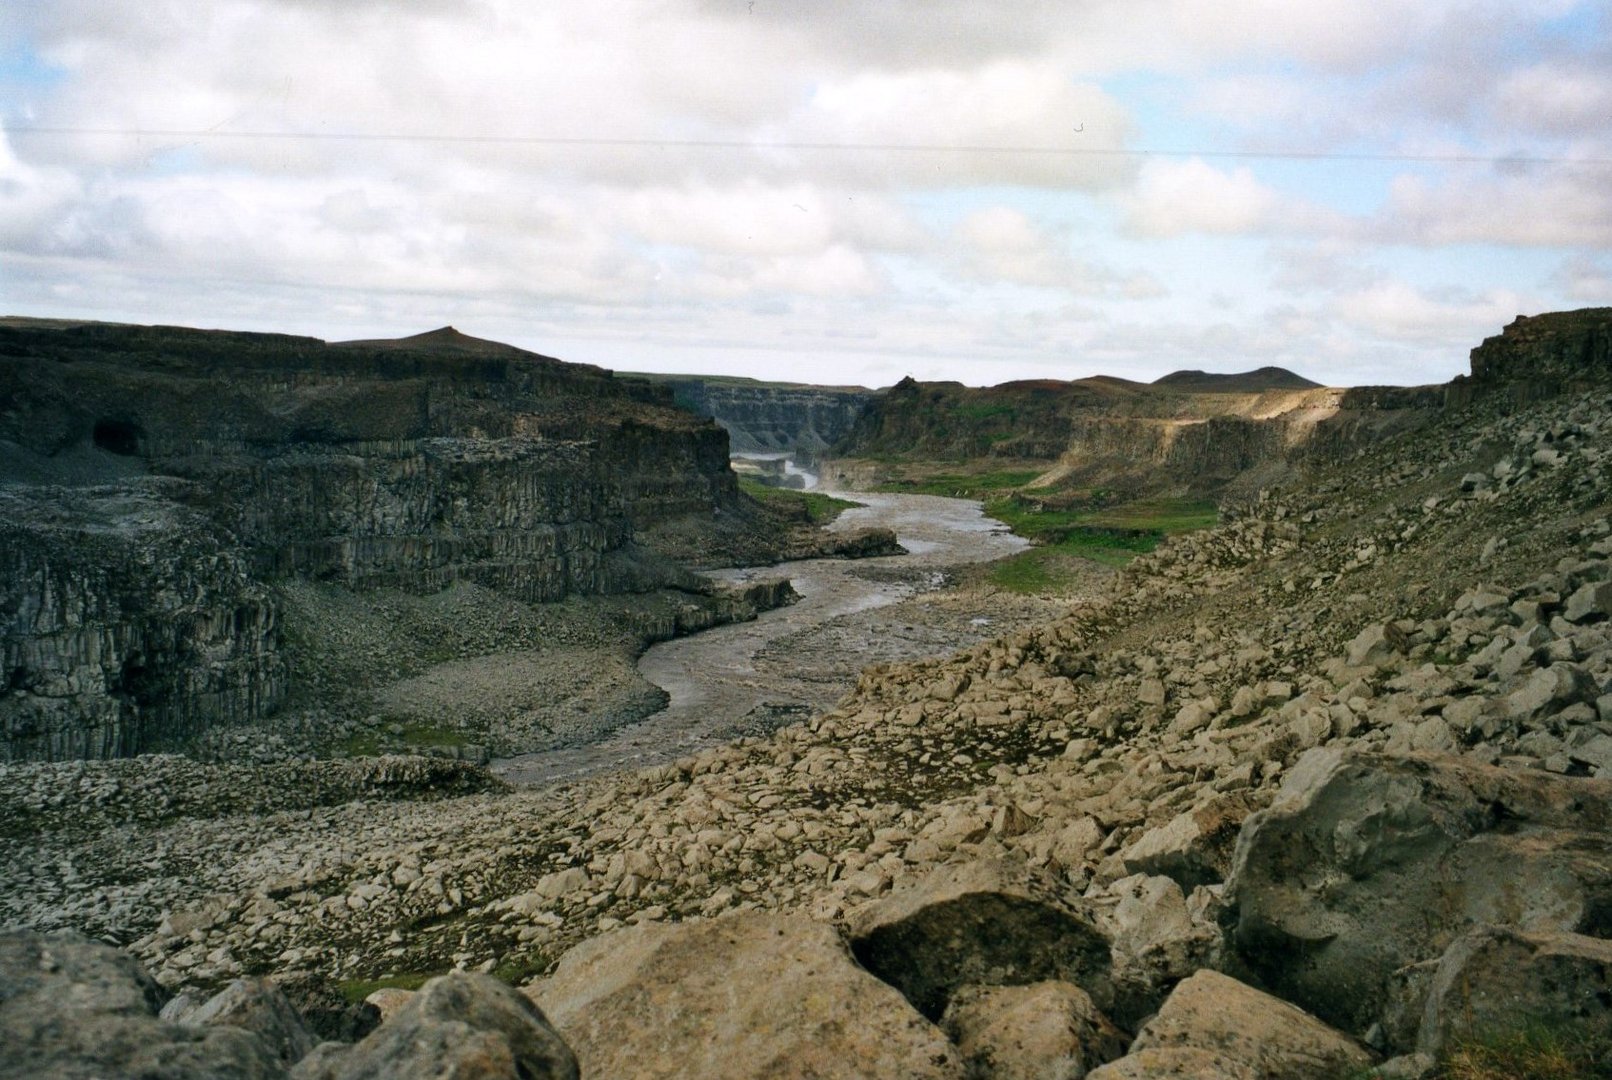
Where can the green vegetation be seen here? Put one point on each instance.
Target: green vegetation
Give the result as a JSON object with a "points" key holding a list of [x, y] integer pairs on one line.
{"points": [[979, 411], [811, 506], [356, 990], [414, 736], [1533, 1053], [1112, 536], [962, 485]]}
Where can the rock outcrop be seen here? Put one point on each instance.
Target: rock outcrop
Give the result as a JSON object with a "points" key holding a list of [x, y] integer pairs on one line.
{"points": [[1548, 351]]}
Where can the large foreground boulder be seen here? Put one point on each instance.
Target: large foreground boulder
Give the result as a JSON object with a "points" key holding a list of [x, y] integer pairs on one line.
{"points": [[993, 922], [1367, 865], [1215, 1026], [469, 1027], [71, 1007], [748, 995]]}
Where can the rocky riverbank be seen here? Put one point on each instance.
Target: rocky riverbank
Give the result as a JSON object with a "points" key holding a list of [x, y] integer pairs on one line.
{"points": [[1321, 790]]}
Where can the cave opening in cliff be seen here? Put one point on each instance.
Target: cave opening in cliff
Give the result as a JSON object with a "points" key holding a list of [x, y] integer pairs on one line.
{"points": [[117, 437], [137, 683]]}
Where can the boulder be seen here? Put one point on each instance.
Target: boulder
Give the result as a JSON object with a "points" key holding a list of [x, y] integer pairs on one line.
{"points": [[1194, 847], [1495, 980], [992, 922], [1589, 603], [1163, 1062], [744, 995], [1376, 644], [258, 1006], [458, 1025], [1043, 1031], [1273, 1040], [1365, 865], [1156, 940], [72, 1007]]}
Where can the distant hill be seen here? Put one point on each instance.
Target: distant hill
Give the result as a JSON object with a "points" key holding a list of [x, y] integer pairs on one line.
{"points": [[1245, 382]]}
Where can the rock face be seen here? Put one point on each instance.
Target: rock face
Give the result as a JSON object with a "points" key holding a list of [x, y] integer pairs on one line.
{"points": [[155, 482], [1551, 349], [1366, 864], [772, 418], [742, 996]]}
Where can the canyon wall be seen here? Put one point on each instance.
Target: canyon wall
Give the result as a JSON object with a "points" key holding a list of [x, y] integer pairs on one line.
{"points": [[1144, 438], [773, 417], [158, 481]]}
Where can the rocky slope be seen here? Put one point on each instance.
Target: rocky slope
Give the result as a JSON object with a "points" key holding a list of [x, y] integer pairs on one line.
{"points": [[1324, 786], [160, 483]]}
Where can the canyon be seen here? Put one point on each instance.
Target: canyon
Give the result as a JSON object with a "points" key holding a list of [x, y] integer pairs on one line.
{"points": [[163, 485], [1191, 822]]}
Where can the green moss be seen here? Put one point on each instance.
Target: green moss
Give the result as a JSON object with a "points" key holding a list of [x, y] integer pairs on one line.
{"points": [[414, 736], [814, 506], [1110, 535], [356, 990], [961, 485]]}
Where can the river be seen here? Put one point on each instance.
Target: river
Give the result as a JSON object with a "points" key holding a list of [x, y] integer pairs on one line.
{"points": [[747, 678]]}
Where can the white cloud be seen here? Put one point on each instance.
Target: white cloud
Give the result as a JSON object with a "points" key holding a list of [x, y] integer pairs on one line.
{"points": [[1399, 311], [1557, 98], [1585, 281], [1176, 197], [1538, 206]]}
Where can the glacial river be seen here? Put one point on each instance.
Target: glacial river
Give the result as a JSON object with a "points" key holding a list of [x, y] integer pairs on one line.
{"points": [[792, 662]]}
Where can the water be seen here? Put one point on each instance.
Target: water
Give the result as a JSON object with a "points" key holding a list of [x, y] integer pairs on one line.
{"points": [[796, 660]]}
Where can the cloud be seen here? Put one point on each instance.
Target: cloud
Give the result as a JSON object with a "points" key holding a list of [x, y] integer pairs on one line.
{"points": [[1399, 311], [1536, 206], [1176, 197], [1557, 98], [1584, 280]]}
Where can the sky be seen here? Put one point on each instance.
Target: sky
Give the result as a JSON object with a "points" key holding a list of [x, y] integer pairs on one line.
{"points": [[821, 191]]}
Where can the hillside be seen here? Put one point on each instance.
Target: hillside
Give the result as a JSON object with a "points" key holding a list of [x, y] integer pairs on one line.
{"points": [[1245, 382], [1323, 790]]}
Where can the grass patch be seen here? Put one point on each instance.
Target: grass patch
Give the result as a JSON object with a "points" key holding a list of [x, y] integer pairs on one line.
{"points": [[812, 506], [356, 990], [1112, 536], [961, 485], [1533, 1053]]}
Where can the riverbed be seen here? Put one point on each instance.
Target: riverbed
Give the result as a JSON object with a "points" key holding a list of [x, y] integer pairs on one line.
{"points": [[786, 665]]}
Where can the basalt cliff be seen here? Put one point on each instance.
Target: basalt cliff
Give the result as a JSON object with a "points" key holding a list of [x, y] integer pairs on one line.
{"points": [[159, 486]]}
